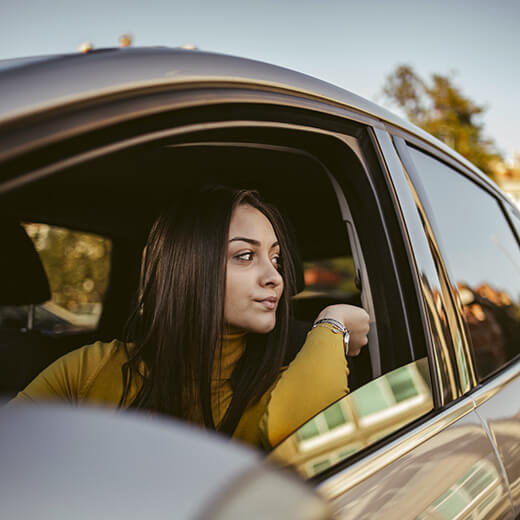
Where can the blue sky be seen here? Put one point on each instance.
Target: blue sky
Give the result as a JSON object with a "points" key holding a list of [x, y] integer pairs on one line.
{"points": [[353, 44]]}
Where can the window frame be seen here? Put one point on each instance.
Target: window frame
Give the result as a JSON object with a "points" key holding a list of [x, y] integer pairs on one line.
{"points": [[356, 132], [315, 116]]}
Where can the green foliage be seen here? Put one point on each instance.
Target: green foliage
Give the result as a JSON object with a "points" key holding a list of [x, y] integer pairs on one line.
{"points": [[440, 108]]}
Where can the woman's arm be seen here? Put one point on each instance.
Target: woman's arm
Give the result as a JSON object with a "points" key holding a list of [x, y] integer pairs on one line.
{"points": [[317, 377], [90, 373]]}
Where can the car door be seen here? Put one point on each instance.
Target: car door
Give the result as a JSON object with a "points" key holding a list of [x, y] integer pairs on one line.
{"points": [[440, 463]]}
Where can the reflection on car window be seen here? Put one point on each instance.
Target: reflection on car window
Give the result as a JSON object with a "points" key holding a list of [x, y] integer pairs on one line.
{"points": [[482, 258], [372, 412]]}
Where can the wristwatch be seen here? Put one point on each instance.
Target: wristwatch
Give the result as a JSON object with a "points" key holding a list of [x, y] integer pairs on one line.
{"points": [[336, 327]]}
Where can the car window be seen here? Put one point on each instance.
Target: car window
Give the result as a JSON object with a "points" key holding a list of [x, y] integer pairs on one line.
{"points": [[77, 266], [481, 255], [360, 419], [299, 184]]}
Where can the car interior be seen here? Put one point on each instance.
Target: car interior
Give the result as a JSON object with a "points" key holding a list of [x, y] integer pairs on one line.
{"points": [[117, 195]]}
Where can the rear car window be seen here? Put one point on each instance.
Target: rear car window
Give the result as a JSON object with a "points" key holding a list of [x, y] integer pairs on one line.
{"points": [[482, 257]]}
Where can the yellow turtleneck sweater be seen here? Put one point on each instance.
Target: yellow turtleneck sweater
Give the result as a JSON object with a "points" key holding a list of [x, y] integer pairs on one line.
{"points": [[313, 380]]}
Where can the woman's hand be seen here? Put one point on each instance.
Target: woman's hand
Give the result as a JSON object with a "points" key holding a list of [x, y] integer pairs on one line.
{"points": [[356, 320]]}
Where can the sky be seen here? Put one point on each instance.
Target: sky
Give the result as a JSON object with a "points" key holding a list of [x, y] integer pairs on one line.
{"points": [[353, 44]]}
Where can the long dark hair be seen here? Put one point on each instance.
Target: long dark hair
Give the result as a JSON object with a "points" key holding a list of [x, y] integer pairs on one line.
{"points": [[178, 322]]}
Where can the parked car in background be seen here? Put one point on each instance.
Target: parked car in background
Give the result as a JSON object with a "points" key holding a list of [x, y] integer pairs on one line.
{"points": [[383, 216]]}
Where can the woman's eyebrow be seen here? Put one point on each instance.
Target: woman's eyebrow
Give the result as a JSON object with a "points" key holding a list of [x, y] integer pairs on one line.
{"points": [[244, 239], [251, 241]]}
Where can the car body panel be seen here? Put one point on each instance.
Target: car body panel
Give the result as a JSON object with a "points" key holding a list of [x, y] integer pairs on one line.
{"points": [[75, 77], [108, 477], [131, 466], [498, 405], [454, 472]]}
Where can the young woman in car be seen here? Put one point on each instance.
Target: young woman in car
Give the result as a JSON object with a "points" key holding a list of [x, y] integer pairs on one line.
{"points": [[210, 331]]}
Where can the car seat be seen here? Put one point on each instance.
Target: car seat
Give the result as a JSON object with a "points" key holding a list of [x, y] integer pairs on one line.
{"points": [[24, 350]]}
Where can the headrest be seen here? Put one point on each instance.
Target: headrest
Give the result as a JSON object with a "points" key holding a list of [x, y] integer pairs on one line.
{"points": [[22, 277]]}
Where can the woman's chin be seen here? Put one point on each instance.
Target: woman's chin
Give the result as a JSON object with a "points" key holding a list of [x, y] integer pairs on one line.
{"points": [[265, 330], [262, 326], [259, 325]]}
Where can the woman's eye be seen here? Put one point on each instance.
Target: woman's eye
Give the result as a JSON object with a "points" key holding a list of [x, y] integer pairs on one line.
{"points": [[277, 261], [247, 257]]}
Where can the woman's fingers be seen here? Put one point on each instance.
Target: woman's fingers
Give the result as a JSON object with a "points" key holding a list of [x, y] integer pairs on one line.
{"points": [[358, 323]]}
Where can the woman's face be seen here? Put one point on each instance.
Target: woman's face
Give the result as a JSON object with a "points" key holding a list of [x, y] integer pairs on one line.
{"points": [[253, 282]]}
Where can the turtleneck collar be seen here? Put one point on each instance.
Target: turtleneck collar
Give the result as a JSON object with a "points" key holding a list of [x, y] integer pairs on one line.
{"points": [[233, 346]]}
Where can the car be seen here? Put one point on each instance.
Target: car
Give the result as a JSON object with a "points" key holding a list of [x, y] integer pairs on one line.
{"points": [[382, 214], [65, 462]]}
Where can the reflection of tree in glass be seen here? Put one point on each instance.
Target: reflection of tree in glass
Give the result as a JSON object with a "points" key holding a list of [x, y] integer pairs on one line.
{"points": [[77, 265], [494, 325]]}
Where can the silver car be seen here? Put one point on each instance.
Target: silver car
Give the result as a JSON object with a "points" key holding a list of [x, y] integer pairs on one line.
{"points": [[384, 216]]}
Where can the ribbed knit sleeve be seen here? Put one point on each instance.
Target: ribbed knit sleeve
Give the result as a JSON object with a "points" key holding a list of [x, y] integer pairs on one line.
{"points": [[91, 373], [316, 378]]}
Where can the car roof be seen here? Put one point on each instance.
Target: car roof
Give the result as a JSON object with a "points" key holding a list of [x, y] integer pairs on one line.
{"points": [[35, 84], [32, 84]]}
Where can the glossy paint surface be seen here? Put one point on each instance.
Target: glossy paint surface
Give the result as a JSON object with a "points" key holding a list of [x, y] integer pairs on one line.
{"points": [[452, 475], [499, 409]]}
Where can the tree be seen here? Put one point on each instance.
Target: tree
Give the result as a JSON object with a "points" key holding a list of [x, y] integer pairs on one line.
{"points": [[440, 108]]}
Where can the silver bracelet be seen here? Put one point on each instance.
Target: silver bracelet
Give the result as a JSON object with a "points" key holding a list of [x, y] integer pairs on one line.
{"points": [[337, 328]]}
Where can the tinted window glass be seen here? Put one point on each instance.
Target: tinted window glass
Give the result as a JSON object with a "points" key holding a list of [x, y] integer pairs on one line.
{"points": [[357, 421], [482, 257]]}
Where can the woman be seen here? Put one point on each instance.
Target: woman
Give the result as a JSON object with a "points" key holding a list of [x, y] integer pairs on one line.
{"points": [[209, 334]]}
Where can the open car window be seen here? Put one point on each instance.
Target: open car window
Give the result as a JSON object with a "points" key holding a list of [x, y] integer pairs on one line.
{"points": [[322, 187]]}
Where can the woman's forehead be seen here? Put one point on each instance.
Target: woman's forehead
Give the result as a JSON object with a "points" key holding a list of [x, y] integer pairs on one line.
{"points": [[249, 222]]}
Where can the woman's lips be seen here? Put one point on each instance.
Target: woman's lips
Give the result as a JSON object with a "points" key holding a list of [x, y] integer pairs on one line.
{"points": [[269, 303]]}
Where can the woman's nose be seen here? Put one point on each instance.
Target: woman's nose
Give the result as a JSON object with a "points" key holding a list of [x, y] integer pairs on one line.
{"points": [[270, 275]]}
